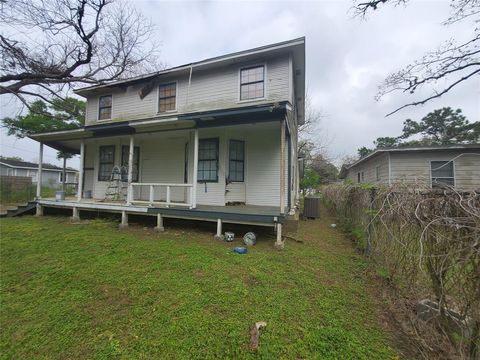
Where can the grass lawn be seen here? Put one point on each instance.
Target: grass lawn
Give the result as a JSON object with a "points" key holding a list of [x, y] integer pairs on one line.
{"points": [[93, 291]]}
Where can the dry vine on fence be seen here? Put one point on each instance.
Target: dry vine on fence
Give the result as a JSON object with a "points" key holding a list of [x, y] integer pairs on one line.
{"points": [[429, 243]]}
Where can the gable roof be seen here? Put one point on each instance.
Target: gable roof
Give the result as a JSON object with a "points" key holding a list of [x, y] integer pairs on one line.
{"points": [[414, 149], [31, 165]]}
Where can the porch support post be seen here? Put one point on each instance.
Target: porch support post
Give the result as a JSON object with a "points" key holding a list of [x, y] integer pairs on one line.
{"points": [[39, 210], [219, 235], [76, 215], [124, 223], [130, 172], [195, 169], [80, 174], [39, 173], [279, 243], [282, 167], [159, 227]]}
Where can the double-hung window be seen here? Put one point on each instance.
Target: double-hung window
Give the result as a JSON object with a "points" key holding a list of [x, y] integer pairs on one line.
{"points": [[105, 107], [442, 173], [167, 97], [252, 83], [236, 164], [207, 160], [106, 162], [136, 162]]}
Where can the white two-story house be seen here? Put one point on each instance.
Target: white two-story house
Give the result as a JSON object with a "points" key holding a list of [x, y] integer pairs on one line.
{"points": [[211, 140]]}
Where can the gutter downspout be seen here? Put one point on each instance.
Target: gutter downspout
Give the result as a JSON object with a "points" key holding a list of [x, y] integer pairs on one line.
{"points": [[189, 83]]}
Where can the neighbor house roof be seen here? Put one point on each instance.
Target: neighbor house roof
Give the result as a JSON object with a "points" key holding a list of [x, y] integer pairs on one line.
{"points": [[414, 149], [30, 165]]}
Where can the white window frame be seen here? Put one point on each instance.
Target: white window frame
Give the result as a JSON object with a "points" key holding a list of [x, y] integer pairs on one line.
{"points": [[453, 167], [176, 97], [98, 108], [239, 85], [377, 173]]}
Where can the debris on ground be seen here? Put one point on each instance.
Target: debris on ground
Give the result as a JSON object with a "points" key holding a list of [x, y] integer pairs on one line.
{"points": [[255, 334], [229, 236], [240, 250], [333, 225], [249, 239]]}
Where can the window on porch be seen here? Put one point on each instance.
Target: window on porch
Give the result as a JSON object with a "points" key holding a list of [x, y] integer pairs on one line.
{"points": [[208, 160], [136, 163], [236, 161], [106, 162]]}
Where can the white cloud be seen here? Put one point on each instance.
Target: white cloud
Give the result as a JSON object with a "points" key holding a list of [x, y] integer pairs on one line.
{"points": [[347, 57]]}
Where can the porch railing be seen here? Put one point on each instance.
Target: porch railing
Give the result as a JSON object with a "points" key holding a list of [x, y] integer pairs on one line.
{"points": [[188, 195]]}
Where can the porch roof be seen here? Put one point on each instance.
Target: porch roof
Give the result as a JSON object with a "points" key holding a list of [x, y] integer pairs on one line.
{"points": [[69, 140]]}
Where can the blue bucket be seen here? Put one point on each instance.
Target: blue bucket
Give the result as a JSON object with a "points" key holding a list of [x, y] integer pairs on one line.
{"points": [[240, 250]]}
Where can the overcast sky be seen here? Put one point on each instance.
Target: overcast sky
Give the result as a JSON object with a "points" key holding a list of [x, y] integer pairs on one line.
{"points": [[347, 58]]}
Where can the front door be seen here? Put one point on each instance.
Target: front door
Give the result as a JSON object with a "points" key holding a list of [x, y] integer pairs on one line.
{"points": [[235, 178]]}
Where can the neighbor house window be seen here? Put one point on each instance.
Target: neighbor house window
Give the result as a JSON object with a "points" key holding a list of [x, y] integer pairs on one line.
{"points": [[442, 173], [252, 83], [136, 163], [167, 97], [358, 178], [208, 160], [106, 162], [105, 107], [363, 176], [377, 173], [236, 164]]}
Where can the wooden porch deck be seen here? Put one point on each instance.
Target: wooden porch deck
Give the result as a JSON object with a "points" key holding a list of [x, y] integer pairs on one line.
{"points": [[237, 214]]}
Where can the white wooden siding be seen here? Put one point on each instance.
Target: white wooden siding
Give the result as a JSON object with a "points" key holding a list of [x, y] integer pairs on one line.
{"points": [[369, 170], [209, 90], [415, 167], [162, 157]]}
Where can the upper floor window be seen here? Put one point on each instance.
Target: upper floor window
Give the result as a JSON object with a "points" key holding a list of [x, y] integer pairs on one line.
{"points": [[167, 97], [442, 173], [105, 107], [252, 83]]}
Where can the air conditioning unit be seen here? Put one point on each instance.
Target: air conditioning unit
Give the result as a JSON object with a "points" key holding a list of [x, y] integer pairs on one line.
{"points": [[311, 208]]}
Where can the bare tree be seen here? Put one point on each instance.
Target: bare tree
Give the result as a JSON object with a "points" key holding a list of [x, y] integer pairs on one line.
{"points": [[50, 46], [312, 137], [451, 64]]}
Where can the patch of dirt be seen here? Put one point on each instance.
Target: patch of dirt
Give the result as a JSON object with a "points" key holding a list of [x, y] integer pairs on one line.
{"points": [[250, 280]]}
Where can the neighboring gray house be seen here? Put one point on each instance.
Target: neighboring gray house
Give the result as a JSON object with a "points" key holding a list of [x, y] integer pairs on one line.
{"points": [[432, 166], [214, 139], [51, 174]]}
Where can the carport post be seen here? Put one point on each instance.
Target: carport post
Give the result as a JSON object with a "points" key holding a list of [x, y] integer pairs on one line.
{"points": [[80, 173]]}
